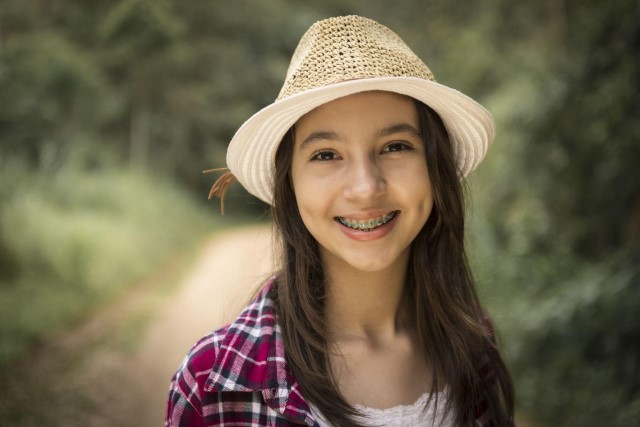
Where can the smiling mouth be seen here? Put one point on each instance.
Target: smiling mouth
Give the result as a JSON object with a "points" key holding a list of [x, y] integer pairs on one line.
{"points": [[367, 225]]}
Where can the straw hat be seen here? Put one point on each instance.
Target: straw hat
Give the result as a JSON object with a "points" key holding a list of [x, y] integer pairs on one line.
{"points": [[337, 57]]}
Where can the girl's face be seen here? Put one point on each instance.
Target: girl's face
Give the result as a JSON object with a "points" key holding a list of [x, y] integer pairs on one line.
{"points": [[360, 177]]}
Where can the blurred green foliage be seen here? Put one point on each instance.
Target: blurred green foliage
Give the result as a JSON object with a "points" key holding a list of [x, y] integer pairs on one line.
{"points": [[74, 240], [101, 98], [557, 213]]}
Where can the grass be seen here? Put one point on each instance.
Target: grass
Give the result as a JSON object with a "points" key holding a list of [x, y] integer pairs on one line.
{"points": [[74, 240], [62, 373]]}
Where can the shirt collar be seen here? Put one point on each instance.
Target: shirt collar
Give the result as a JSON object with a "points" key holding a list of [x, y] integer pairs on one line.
{"points": [[251, 358]]}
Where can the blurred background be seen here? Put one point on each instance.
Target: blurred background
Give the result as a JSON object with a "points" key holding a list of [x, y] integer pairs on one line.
{"points": [[110, 110]]}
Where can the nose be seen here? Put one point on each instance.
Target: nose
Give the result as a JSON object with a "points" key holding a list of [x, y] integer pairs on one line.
{"points": [[365, 180]]}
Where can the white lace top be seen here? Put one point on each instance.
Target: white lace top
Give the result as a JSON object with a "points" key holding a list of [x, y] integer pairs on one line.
{"points": [[402, 415]]}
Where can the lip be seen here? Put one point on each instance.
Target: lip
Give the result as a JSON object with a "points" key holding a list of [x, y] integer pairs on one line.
{"points": [[376, 234]]}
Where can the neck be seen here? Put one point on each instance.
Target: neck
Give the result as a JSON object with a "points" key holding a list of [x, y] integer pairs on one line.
{"points": [[365, 305]]}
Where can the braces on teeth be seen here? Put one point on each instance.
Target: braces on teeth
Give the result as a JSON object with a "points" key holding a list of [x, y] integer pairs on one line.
{"points": [[369, 225]]}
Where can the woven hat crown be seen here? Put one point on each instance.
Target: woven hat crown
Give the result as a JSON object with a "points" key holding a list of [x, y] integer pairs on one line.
{"points": [[339, 57], [348, 48]]}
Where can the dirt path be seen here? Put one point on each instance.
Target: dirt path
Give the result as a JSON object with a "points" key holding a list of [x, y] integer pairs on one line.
{"points": [[215, 289], [115, 369]]}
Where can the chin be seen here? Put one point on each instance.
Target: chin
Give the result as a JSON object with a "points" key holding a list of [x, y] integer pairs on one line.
{"points": [[368, 266]]}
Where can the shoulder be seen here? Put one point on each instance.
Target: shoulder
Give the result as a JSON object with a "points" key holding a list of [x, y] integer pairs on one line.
{"points": [[199, 362], [186, 391], [210, 359], [227, 371]]}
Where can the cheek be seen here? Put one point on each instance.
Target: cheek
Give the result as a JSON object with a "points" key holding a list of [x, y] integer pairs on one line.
{"points": [[414, 181], [428, 198], [427, 193], [306, 191], [427, 208], [424, 205], [420, 192], [311, 203]]}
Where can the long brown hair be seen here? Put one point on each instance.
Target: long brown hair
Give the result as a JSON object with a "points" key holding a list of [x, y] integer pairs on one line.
{"points": [[452, 329]]}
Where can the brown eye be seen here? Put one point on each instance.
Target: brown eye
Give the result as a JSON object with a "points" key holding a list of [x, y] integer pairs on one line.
{"points": [[325, 156], [396, 147]]}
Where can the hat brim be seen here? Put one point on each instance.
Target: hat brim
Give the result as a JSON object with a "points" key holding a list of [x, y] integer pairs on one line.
{"points": [[251, 152]]}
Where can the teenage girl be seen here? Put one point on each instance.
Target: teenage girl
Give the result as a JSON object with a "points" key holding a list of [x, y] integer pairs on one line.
{"points": [[373, 318]]}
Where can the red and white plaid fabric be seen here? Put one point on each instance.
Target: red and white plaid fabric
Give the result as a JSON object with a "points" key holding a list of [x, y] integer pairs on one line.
{"points": [[238, 376]]}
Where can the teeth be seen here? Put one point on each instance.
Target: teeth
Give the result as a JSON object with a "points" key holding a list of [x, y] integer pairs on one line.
{"points": [[368, 225]]}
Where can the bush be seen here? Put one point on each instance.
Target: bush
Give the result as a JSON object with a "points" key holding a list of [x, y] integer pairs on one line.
{"points": [[72, 240]]}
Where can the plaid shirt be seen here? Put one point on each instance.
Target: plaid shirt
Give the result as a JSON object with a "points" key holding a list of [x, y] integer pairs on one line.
{"points": [[238, 376]]}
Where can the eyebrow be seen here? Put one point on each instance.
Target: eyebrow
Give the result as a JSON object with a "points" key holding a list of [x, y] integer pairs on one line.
{"points": [[319, 136], [399, 128], [334, 136]]}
